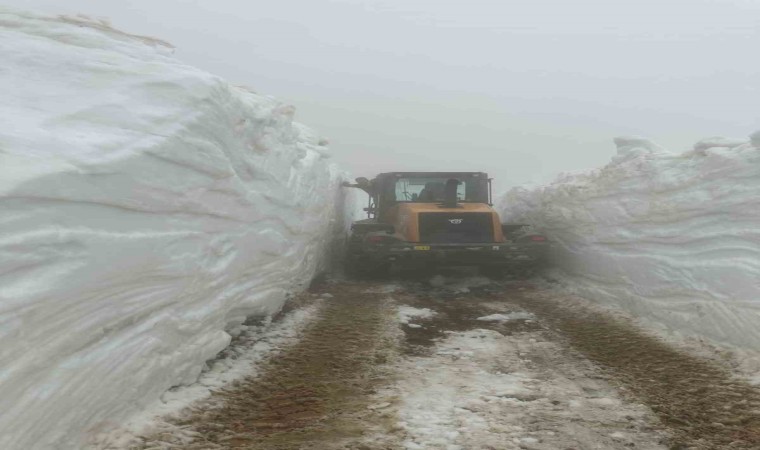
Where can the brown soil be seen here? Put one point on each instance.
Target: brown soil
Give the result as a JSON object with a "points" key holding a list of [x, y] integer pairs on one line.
{"points": [[315, 394]]}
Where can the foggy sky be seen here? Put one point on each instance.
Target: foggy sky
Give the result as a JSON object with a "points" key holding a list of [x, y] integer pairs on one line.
{"points": [[521, 89]]}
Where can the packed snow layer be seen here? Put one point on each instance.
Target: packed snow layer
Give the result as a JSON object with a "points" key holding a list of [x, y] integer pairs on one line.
{"points": [[147, 208], [674, 239]]}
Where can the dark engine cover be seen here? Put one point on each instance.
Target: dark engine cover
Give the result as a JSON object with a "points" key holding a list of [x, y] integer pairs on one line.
{"points": [[456, 228]]}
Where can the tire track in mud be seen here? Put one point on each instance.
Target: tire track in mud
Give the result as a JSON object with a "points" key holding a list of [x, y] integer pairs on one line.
{"points": [[701, 403], [315, 394]]}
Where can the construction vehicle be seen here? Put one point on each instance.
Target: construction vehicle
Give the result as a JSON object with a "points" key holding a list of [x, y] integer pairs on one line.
{"points": [[426, 219]]}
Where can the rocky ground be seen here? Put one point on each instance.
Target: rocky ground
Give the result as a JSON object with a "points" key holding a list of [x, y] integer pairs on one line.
{"points": [[467, 363]]}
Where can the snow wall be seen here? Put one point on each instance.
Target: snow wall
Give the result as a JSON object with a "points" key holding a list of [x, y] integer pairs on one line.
{"points": [[673, 239], [148, 208]]}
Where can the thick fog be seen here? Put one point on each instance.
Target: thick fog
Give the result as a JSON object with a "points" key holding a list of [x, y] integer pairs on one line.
{"points": [[521, 89]]}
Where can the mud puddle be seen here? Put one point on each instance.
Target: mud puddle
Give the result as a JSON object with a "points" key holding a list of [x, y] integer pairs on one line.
{"points": [[455, 311]]}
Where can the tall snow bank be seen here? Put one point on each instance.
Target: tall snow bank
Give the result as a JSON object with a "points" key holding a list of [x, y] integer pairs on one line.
{"points": [[147, 207], [671, 238]]}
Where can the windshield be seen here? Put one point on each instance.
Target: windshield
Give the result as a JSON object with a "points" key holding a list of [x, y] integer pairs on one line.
{"points": [[431, 189]]}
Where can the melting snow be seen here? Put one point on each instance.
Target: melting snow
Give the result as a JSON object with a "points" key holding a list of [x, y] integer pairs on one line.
{"points": [[407, 313], [478, 390], [519, 315]]}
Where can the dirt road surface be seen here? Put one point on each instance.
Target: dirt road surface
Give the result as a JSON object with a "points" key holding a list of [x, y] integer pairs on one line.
{"points": [[468, 363]]}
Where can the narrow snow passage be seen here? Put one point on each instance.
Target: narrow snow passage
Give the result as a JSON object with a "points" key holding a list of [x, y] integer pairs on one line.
{"points": [[466, 364]]}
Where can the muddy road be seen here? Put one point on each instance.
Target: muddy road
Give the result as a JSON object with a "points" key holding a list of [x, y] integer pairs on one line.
{"points": [[468, 363]]}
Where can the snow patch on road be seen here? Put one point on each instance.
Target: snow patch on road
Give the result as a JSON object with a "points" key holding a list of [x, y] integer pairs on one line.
{"points": [[407, 313], [672, 239], [481, 389], [441, 410], [459, 284], [148, 209], [517, 315]]}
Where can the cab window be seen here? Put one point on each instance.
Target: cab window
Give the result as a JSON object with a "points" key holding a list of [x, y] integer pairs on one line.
{"points": [[426, 190]]}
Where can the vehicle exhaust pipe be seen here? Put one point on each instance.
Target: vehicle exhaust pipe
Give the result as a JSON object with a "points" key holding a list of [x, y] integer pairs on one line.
{"points": [[450, 193]]}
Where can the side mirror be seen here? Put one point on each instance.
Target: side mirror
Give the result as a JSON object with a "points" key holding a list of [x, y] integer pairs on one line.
{"points": [[362, 180], [415, 197]]}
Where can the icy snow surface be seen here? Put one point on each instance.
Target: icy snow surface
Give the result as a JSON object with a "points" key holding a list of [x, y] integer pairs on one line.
{"points": [[517, 315], [480, 389], [148, 208], [407, 313], [673, 239]]}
